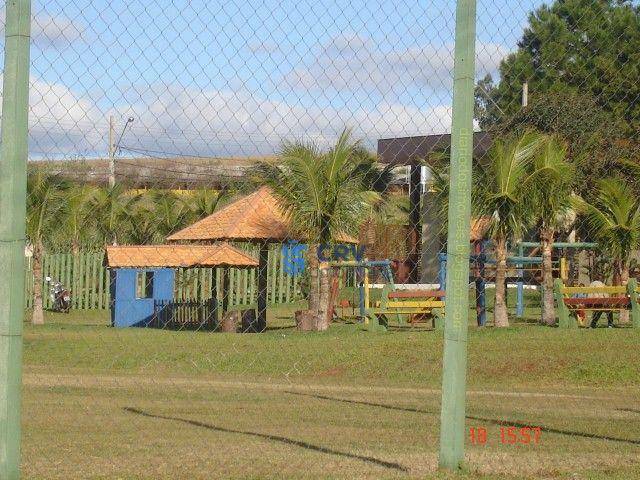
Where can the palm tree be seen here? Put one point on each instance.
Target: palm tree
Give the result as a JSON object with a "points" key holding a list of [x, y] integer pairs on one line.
{"points": [[374, 179], [169, 212], [502, 196], [613, 220], [144, 228], [77, 216], [203, 202], [112, 209], [324, 196], [45, 204], [551, 182]]}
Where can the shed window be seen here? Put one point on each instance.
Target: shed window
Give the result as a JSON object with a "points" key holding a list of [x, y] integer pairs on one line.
{"points": [[144, 284]]}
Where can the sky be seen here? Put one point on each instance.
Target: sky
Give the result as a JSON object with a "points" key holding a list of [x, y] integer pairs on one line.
{"points": [[237, 78]]}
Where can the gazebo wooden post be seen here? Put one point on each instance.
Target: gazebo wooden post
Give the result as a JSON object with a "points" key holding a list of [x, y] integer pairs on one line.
{"points": [[263, 268], [226, 288]]}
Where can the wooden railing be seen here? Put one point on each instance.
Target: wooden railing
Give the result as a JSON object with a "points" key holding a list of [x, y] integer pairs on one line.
{"points": [[191, 315]]}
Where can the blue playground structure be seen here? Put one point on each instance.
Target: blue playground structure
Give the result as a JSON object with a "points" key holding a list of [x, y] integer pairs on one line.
{"points": [[362, 273], [521, 262]]}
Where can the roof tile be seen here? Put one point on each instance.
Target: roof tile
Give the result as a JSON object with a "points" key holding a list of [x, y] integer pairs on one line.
{"points": [[132, 256]]}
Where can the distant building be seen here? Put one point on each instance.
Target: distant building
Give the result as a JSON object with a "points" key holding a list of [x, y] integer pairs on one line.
{"points": [[424, 242]]}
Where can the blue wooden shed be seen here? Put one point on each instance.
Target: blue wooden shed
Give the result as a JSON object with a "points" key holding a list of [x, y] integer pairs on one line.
{"points": [[143, 280]]}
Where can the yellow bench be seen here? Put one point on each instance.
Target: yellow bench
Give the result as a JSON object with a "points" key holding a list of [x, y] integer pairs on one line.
{"points": [[618, 298], [414, 304]]}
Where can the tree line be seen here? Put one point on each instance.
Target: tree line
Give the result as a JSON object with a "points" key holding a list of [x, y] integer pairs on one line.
{"points": [[526, 188], [579, 62]]}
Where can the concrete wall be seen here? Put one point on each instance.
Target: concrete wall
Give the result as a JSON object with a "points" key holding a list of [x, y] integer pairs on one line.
{"points": [[431, 243]]}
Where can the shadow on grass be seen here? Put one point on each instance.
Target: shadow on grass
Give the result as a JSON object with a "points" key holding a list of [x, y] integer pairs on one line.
{"points": [[274, 438], [494, 421], [630, 410], [362, 402], [281, 327], [508, 423]]}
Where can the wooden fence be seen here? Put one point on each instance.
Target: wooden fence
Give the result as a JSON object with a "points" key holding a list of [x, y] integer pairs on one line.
{"points": [[88, 279], [84, 274]]}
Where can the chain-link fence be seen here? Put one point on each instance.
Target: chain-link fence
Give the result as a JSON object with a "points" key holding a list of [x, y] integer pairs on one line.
{"points": [[236, 260]]}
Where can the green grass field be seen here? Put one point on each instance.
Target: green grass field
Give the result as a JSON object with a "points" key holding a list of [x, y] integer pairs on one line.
{"points": [[147, 404]]}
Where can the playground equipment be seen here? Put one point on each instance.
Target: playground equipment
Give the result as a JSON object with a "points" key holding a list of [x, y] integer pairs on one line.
{"points": [[415, 304], [521, 263], [363, 269], [393, 302], [479, 262], [564, 273], [610, 299]]}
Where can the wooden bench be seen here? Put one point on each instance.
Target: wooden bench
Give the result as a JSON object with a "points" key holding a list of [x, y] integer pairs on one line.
{"points": [[415, 305], [618, 298]]}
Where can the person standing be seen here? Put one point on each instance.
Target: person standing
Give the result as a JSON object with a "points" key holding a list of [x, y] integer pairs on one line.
{"points": [[597, 314]]}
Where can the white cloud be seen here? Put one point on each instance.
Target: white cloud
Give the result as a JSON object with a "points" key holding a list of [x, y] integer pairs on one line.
{"points": [[356, 63], [236, 122], [188, 121], [62, 122], [51, 30]]}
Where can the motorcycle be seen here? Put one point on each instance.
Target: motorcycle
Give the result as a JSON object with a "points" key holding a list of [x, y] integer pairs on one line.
{"points": [[60, 296]]}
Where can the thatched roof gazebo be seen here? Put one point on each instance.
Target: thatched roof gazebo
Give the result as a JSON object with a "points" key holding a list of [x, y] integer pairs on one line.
{"points": [[255, 218]]}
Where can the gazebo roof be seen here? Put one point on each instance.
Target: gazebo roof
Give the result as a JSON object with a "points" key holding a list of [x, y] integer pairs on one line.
{"points": [[173, 256], [255, 217]]}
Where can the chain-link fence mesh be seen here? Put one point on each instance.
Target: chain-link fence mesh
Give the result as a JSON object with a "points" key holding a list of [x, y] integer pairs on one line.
{"points": [[236, 224]]}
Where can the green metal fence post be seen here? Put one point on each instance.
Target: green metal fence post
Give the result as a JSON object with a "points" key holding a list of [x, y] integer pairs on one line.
{"points": [[632, 291], [454, 373], [13, 194], [563, 311]]}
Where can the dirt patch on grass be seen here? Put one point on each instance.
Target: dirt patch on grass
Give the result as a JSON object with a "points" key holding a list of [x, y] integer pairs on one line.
{"points": [[332, 372], [135, 381]]}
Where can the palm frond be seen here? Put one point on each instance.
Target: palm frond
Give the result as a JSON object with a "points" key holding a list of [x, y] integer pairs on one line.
{"points": [[613, 218]]}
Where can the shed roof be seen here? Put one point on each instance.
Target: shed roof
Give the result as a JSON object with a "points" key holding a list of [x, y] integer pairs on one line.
{"points": [[173, 256], [255, 217]]}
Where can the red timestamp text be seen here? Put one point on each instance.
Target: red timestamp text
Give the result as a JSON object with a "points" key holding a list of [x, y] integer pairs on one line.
{"points": [[507, 435]]}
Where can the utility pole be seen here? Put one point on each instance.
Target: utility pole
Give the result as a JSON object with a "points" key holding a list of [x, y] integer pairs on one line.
{"points": [[112, 153], [525, 94], [454, 371], [13, 196]]}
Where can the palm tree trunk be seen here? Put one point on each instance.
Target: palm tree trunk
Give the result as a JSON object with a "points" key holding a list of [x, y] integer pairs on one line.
{"points": [[370, 233], [37, 317], [500, 317], [75, 246], [314, 292], [333, 293], [323, 314], [548, 310]]}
